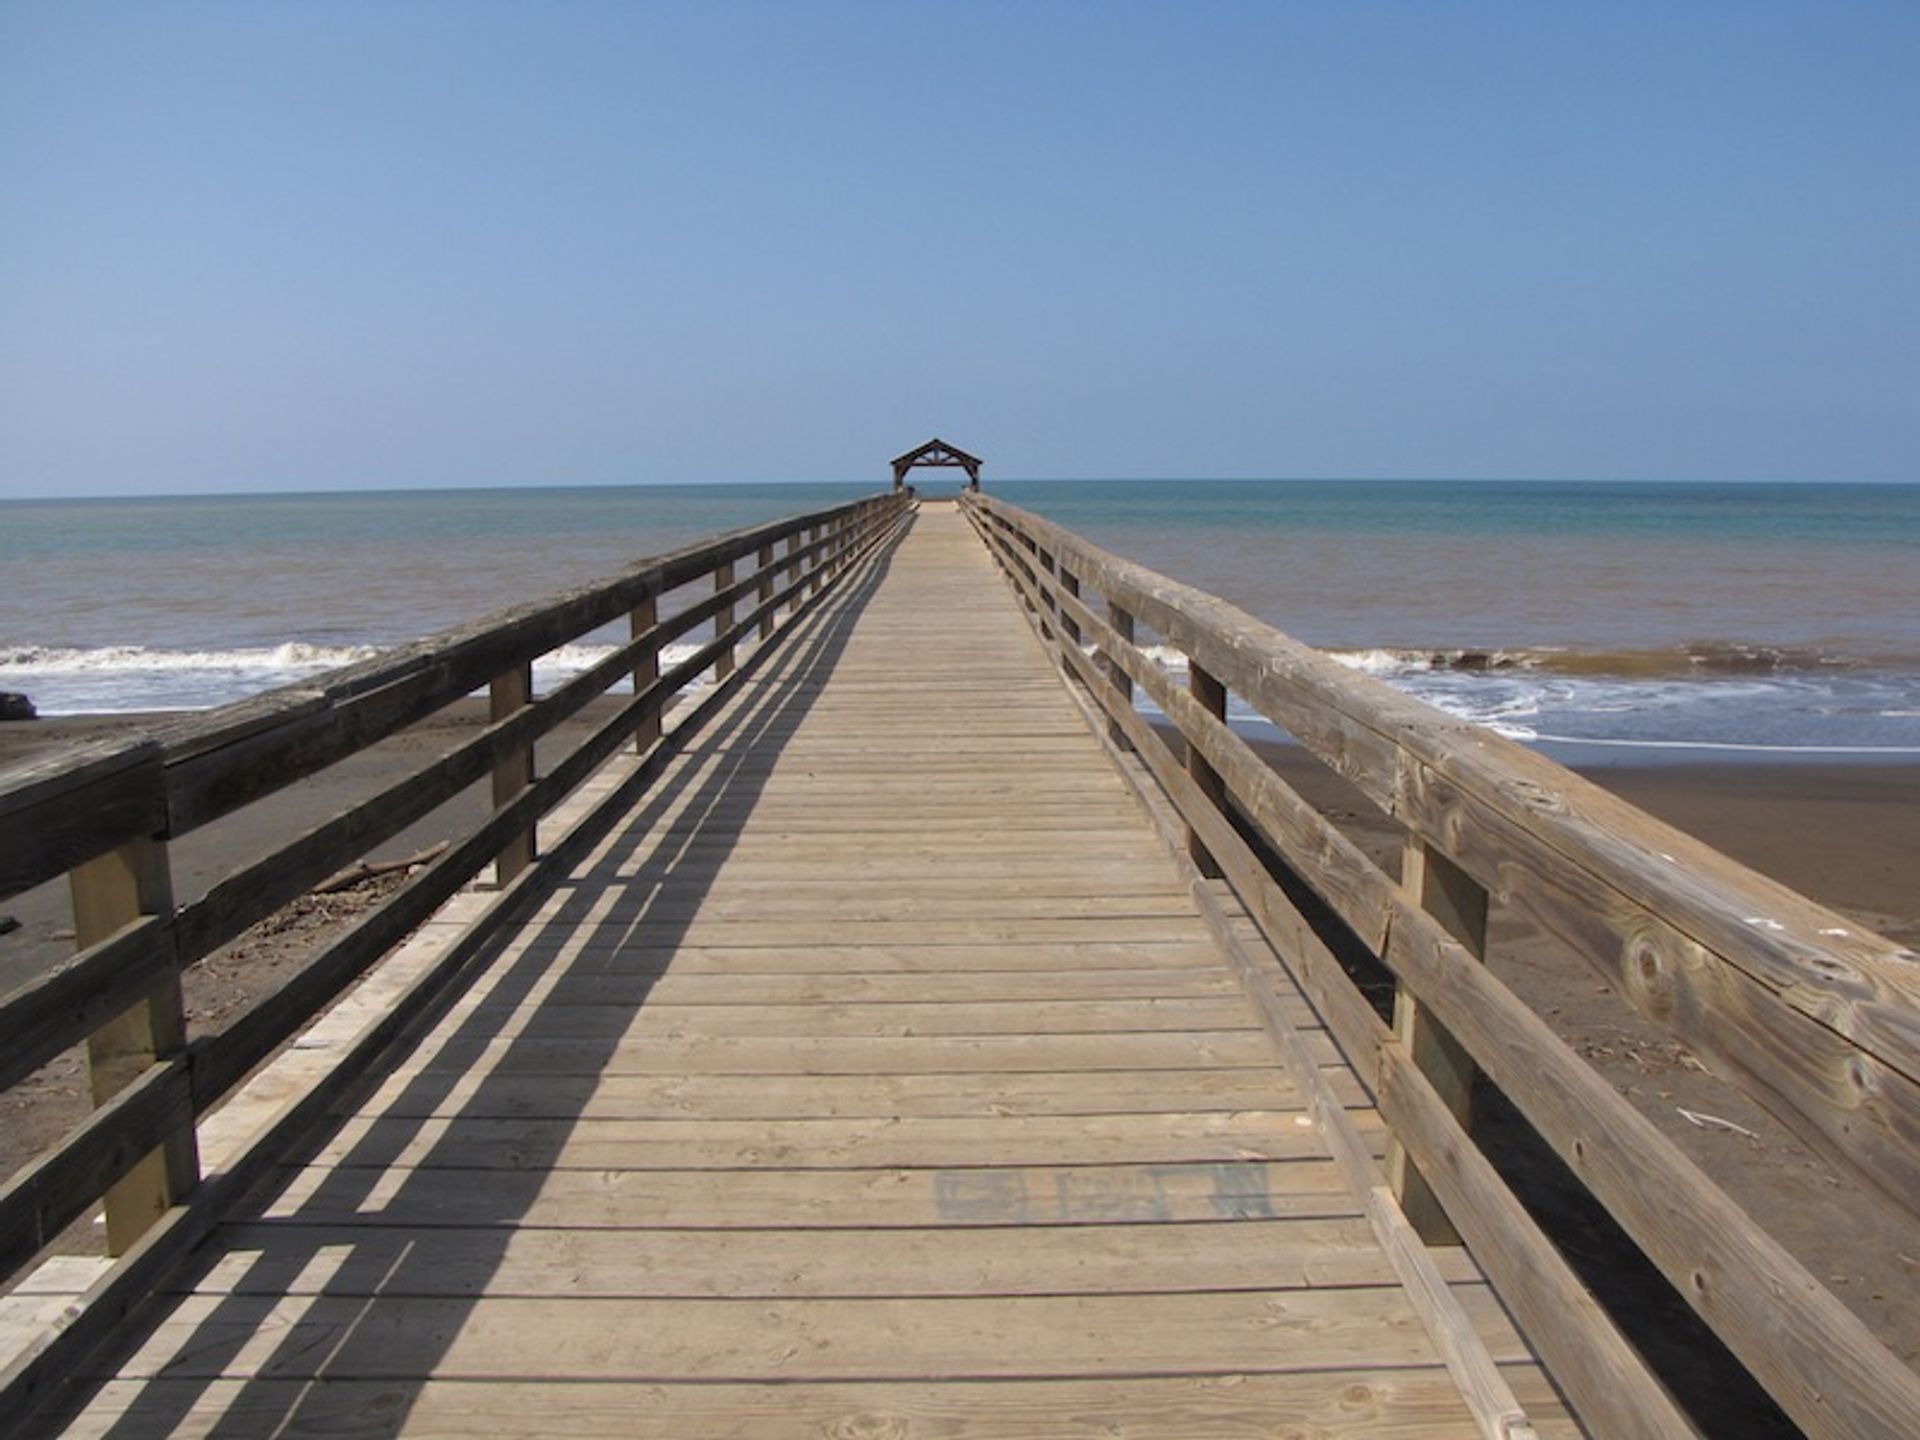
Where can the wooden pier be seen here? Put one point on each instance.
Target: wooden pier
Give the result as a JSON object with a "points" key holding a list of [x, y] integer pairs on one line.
{"points": [[896, 1037]]}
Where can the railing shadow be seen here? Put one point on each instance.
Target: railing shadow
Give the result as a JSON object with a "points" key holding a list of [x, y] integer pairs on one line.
{"points": [[298, 1307]]}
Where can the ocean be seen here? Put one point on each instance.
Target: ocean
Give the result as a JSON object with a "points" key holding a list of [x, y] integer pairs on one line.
{"points": [[1651, 620]]}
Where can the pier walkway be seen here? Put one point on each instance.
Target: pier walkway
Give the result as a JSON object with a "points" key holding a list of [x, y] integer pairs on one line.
{"points": [[876, 1075], [900, 1038]]}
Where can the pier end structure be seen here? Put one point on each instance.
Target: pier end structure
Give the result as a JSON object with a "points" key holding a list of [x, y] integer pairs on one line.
{"points": [[936, 454]]}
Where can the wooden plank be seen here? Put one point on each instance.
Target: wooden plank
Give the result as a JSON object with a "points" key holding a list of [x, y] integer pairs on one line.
{"points": [[801, 1097], [783, 1340], [807, 908], [955, 931], [862, 1055], [666, 989], [621, 953], [62, 810], [945, 1143], [287, 1258], [635, 1022], [59, 1009], [1402, 1403], [814, 1199]]}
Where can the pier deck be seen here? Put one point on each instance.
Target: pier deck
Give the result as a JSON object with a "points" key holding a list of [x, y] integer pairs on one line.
{"points": [[877, 1075]]}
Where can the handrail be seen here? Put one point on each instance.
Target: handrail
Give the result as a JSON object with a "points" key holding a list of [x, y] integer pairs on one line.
{"points": [[103, 813], [1817, 1018]]}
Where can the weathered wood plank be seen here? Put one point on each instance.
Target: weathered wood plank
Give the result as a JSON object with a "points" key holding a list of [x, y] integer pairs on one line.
{"points": [[464, 1142], [662, 988], [804, 1097], [863, 1055], [1408, 1403], [44, 1016], [1258, 1332], [812, 1199], [62, 810], [287, 1258]]}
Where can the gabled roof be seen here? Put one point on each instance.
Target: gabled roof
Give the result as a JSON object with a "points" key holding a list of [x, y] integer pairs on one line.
{"points": [[936, 452]]}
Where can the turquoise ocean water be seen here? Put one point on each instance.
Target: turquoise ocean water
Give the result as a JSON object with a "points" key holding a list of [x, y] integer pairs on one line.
{"points": [[1706, 619]]}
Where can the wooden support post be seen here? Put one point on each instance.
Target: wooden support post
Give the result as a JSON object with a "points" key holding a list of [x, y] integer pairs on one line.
{"points": [[1069, 627], [1052, 605], [723, 622], [794, 542], [111, 891], [646, 668], [1122, 622], [1458, 902], [817, 575], [512, 690], [1213, 696], [765, 558]]}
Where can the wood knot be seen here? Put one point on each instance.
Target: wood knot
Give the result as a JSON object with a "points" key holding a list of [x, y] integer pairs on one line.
{"points": [[1860, 1074], [870, 1425], [1534, 797]]}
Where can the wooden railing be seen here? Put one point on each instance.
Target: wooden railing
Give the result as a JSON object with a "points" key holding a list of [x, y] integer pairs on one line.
{"points": [[104, 815], [1816, 1018]]}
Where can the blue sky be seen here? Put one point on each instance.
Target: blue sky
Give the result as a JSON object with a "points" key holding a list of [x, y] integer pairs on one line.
{"points": [[314, 246]]}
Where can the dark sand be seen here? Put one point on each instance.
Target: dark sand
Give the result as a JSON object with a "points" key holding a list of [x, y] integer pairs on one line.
{"points": [[1848, 835]]}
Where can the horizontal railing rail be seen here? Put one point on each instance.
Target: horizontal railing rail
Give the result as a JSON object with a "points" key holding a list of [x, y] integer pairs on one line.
{"points": [[1814, 1016], [104, 814]]}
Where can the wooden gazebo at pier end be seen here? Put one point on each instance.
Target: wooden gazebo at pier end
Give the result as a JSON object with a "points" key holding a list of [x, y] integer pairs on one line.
{"points": [[938, 454]]}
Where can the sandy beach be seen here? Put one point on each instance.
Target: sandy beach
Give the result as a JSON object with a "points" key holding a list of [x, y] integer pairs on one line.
{"points": [[1848, 835]]}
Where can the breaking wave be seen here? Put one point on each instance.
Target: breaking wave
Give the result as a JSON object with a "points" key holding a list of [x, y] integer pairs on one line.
{"points": [[66, 680]]}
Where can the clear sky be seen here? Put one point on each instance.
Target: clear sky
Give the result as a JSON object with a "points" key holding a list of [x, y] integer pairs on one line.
{"points": [[261, 246]]}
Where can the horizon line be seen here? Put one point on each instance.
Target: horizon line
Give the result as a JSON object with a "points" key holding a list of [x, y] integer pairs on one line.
{"points": [[885, 483]]}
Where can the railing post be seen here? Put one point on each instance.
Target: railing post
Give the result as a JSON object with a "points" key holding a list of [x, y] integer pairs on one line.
{"points": [[1122, 622], [1050, 607], [723, 622], [765, 559], [1069, 627], [1459, 903], [794, 542], [512, 690], [646, 667], [816, 576], [109, 892], [1212, 696]]}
